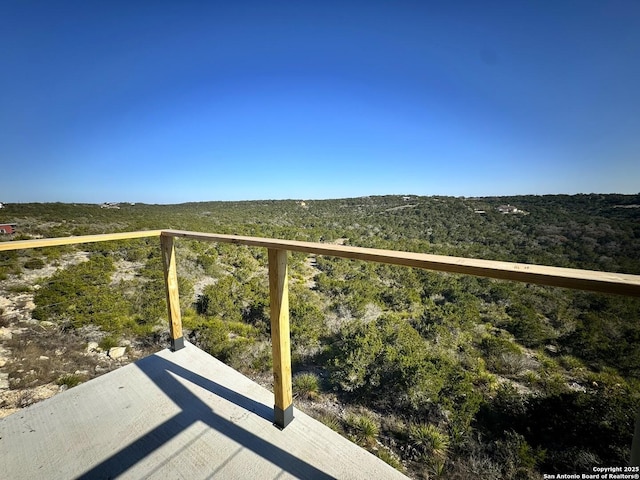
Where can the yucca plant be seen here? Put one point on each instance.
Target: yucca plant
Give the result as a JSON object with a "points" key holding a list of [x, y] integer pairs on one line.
{"points": [[331, 421], [306, 385], [437, 466], [367, 428], [69, 380], [364, 427], [391, 459], [429, 440]]}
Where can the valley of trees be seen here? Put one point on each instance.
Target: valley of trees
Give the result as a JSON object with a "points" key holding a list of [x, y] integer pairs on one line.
{"points": [[438, 374]]}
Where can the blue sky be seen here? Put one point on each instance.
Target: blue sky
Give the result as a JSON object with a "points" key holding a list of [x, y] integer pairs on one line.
{"points": [[167, 102]]}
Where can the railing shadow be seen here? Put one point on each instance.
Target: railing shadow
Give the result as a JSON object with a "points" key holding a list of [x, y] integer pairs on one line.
{"points": [[156, 368], [193, 410]]}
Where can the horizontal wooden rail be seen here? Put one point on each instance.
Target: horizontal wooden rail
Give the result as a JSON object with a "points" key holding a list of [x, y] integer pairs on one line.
{"points": [[605, 282], [55, 242]]}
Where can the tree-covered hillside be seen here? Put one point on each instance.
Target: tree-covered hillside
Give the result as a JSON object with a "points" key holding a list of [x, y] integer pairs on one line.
{"points": [[438, 374]]}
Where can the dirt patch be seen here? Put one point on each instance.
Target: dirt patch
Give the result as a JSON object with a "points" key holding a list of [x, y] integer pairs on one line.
{"points": [[312, 270], [41, 361], [200, 285], [125, 271], [12, 401]]}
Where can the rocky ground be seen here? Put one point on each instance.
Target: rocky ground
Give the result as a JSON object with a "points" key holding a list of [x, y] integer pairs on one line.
{"points": [[38, 358]]}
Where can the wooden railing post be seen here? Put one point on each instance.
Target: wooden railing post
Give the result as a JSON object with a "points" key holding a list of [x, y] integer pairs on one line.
{"points": [[171, 289], [280, 341]]}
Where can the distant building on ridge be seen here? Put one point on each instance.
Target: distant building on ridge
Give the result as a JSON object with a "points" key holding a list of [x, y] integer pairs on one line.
{"points": [[508, 209]]}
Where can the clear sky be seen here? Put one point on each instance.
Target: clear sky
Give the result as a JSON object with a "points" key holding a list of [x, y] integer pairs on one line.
{"points": [[167, 102]]}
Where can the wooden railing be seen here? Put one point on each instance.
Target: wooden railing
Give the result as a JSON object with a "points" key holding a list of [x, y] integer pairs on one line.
{"points": [[606, 282]]}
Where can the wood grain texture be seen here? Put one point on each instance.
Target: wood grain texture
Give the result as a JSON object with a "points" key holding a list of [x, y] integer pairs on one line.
{"points": [[280, 339], [53, 242], [171, 287], [605, 282]]}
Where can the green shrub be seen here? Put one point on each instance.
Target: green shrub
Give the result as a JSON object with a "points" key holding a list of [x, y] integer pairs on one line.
{"points": [[229, 341], [494, 346], [307, 318], [80, 295], [571, 363], [548, 365], [208, 262], [306, 386], [389, 363], [531, 377], [517, 458], [19, 288], [108, 342], [553, 384], [223, 300], [529, 327], [502, 355], [34, 264], [69, 380], [510, 363]]}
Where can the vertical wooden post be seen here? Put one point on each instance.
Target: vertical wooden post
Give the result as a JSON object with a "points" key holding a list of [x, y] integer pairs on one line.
{"points": [[280, 341], [171, 289]]}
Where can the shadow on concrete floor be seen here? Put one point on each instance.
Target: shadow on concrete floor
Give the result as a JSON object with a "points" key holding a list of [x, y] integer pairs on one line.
{"points": [[161, 372]]}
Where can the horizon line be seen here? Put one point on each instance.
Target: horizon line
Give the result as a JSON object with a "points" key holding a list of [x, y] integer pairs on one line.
{"points": [[307, 199]]}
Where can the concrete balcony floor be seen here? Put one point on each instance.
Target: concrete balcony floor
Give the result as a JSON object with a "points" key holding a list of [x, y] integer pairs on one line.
{"points": [[174, 415]]}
